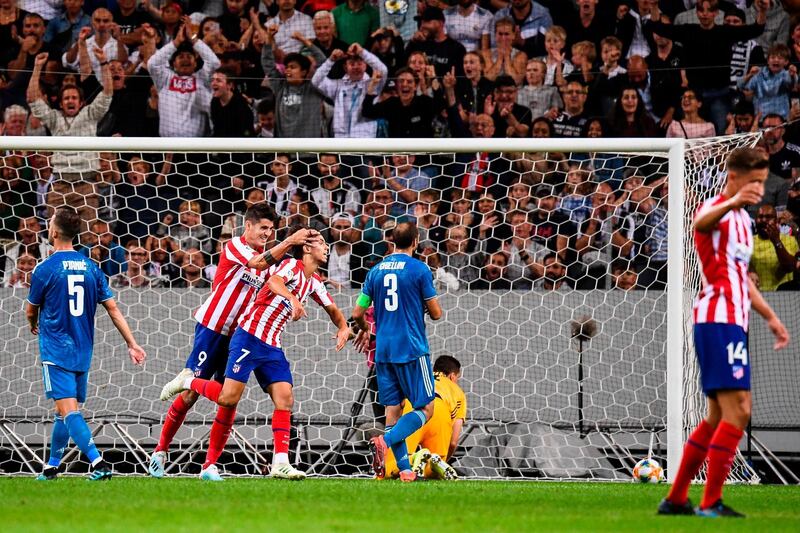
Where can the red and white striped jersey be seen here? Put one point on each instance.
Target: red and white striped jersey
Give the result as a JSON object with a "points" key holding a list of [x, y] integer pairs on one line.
{"points": [[233, 289], [724, 255], [267, 315]]}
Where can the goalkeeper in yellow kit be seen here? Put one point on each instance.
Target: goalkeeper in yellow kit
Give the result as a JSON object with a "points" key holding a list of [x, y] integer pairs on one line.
{"points": [[438, 438]]}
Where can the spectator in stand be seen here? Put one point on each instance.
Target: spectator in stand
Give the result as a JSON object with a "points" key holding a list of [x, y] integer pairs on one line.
{"points": [[784, 158], [280, 189], [552, 228], [667, 77], [62, 31], [542, 128], [76, 171], [405, 180], [11, 28], [334, 195], [709, 58], [21, 277], [230, 22], [493, 274], [298, 104], [325, 32], [458, 260], [136, 275], [584, 54], [347, 252], [625, 275], [525, 253], [15, 121], [348, 93], [558, 66], [376, 217], [442, 50], [401, 15], [387, 45], [571, 120], [742, 119], [487, 228], [164, 254], [429, 223], [503, 59], [744, 54], [692, 125], [594, 22], [356, 20], [776, 29], [19, 70], [189, 232], [443, 279], [773, 252], [104, 250], [554, 277], [126, 114], [184, 92], [42, 181], [469, 24], [532, 19], [595, 240], [29, 240], [473, 88], [303, 212], [776, 189], [193, 264], [629, 117], [231, 115], [407, 114], [137, 202], [576, 199], [770, 87], [105, 37], [542, 100], [285, 25], [510, 118]]}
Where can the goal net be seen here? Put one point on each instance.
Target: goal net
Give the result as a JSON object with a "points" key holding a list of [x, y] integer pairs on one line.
{"points": [[563, 301]]}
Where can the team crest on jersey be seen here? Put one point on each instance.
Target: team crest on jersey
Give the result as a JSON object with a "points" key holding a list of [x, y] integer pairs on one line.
{"points": [[236, 368], [738, 371]]}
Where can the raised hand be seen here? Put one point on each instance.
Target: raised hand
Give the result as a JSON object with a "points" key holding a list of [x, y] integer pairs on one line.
{"points": [[41, 59], [449, 79], [355, 49], [749, 194], [84, 34], [336, 55], [99, 54]]}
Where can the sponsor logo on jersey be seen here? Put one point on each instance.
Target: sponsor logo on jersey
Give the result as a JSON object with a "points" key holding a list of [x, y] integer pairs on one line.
{"points": [[254, 280]]}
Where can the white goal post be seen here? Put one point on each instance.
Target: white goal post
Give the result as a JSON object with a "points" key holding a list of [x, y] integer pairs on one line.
{"points": [[692, 162]]}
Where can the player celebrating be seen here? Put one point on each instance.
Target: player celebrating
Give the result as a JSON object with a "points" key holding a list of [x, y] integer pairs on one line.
{"points": [[724, 241], [256, 348], [402, 289], [65, 290], [239, 276], [439, 436]]}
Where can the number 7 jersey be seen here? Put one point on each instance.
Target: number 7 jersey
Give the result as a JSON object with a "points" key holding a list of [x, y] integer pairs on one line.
{"points": [[67, 286], [399, 286]]}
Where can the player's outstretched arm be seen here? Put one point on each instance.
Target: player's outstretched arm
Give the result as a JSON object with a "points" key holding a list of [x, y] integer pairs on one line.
{"points": [[278, 286], [135, 352], [269, 257], [343, 332], [360, 310], [32, 314], [434, 309], [763, 308], [708, 218]]}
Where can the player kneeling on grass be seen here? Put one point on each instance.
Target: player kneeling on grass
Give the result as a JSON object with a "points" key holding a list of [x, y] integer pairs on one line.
{"points": [[723, 238], [438, 438], [256, 348], [65, 290], [240, 274]]}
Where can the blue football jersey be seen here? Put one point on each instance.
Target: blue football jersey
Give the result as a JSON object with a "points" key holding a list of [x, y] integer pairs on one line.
{"points": [[398, 287], [67, 286]]}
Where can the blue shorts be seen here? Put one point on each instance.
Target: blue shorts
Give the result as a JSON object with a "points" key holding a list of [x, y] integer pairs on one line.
{"points": [[722, 356], [60, 383], [412, 380], [209, 353], [249, 354]]}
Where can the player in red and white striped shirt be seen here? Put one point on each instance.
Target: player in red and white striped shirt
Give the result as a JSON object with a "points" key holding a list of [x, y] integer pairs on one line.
{"points": [[256, 348], [724, 243], [240, 274]]}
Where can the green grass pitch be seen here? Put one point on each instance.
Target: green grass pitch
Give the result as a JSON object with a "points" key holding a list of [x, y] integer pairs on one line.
{"points": [[174, 505]]}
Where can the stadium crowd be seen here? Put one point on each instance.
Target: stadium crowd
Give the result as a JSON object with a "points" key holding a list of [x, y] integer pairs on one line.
{"points": [[399, 68]]}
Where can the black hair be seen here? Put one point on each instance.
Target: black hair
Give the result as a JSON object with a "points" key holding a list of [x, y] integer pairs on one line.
{"points": [[447, 364], [261, 210], [68, 222]]}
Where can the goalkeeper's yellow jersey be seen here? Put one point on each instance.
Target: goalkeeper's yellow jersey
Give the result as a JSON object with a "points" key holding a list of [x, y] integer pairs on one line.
{"points": [[452, 395]]}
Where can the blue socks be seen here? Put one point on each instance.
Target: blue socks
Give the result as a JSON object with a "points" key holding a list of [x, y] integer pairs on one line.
{"points": [[58, 441], [80, 433], [395, 436]]}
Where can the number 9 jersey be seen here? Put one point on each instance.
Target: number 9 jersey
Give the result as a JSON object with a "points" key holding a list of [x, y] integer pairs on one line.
{"points": [[67, 286], [399, 286]]}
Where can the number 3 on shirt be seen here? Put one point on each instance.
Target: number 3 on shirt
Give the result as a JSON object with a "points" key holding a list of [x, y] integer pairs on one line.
{"points": [[390, 282], [75, 291]]}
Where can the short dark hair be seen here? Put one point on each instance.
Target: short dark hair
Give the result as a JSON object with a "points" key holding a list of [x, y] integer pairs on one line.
{"points": [[302, 61], [261, 210], [297, 250], [447, 364], [68, 222], [405, 234], [747, 159], [67, 87], [504, 80], [228, 73]]}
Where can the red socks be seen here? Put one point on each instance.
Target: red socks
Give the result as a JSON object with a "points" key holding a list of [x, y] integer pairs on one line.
{"points": [[175, 417], [281, 426], [694, 454], [721, 452], [208, 388], [220, 431]]}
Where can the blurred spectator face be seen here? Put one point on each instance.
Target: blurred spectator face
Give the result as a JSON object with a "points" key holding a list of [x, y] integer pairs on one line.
{"points": [[548, 203], [138, 172], [485, 203], [689, 102], [496, 266], [603, 195], [104, 236], [472, 66], [286, 5], [765, 216], [323, 29], [460, 206], [535, 72], [733, 20], [553, 44], [193, 262], [170, 14], [403, 163], [280, 166], [255, 196], [755, 279], [417, 63], [595, 129], [406, 85], [101, 21], [744, 121], [32, 26], [431, 28], [553, 269], [39, 160], [355, 67], [72, 7], [574, 98], [773, 131], [637, 70], [16, 124], [220, 86], [457, 240], [776, 63], [382, 201], [587, 6], [520, 191], [295, 74], [431, 258], [504, 35], [625, 279], [505, 95], [520, 4], [234, 7], [540, 129], [482, 126], [161, 248], [25, 265], [328, 167], [266, 121], [341, 231], [189, 216], [630, 101], [136, 254], [71, 102], [117, 74], [28, 230], [522, 228], [705, 13], [185, 63]]}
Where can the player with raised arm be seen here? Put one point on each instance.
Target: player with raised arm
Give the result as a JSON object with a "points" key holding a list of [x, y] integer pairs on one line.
{"points": [[256, 348], [402, 289], [65, 290], [723, 239], [239, 276]]}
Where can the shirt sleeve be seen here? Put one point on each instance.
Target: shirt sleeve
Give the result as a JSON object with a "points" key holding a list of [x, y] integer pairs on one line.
{"points": [[288, 270], [426, 284], [38, 285], [461, 410], [238, 251], [104, 292], [320, 294]]}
